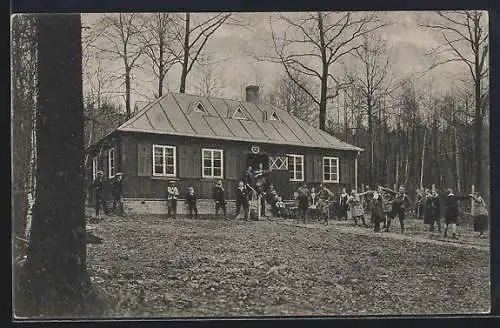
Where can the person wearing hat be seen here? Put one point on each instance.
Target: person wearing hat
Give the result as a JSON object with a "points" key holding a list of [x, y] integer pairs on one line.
{"points": [[100, 201], [451, 203], [172, 195], [220, 199], [117, 193]]}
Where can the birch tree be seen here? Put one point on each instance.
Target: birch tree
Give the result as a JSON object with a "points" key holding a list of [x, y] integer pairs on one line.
{"points": [[371, 75], [465, 40], [313, 43], [23, 93]]}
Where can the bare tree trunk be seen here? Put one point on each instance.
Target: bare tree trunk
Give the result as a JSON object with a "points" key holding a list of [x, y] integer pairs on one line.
{"points": [[397, 169], [185, 62], [55, 275], [127, 92], [423, 161]]}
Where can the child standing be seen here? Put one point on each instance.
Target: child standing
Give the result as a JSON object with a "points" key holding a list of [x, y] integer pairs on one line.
{"points": [[191, 202], [242, 200], [220, 199]]}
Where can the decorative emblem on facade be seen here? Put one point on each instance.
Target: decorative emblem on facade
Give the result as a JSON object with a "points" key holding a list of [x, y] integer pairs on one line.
{"points": [[255, 149]]}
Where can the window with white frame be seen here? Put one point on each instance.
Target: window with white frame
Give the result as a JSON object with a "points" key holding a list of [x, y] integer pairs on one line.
{"points": [[164, 161], [296, 167], [331, 169], [111, 162], [94, 167], [212, 162]]}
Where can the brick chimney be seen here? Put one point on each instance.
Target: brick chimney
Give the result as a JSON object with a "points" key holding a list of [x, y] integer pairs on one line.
{"points": [[252, 93]]}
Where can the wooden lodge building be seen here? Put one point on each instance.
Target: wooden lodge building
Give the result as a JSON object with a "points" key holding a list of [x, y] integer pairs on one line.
{"points": [[197, 140]]}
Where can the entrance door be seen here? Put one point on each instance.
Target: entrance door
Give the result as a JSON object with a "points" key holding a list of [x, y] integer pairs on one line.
{"points": [[254, 160]]}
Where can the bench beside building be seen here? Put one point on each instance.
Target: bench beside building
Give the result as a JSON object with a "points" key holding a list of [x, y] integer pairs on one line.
{"points": [[197, 140]]}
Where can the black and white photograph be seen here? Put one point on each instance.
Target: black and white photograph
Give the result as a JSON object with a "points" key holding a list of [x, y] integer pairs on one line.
{"points": [[250, 164]]}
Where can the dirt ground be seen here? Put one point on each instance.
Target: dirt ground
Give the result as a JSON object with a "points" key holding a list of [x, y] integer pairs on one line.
{"points": [[149, 266]]}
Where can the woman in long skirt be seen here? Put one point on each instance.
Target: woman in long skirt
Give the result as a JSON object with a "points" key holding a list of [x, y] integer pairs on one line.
{"points": [[356, 207], [479, 212]]}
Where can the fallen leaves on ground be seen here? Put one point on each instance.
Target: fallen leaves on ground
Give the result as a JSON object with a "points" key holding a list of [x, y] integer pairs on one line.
{"points": [[151, 266]]}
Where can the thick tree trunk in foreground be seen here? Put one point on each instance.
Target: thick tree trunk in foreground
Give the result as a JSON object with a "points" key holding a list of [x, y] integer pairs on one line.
{"points": [[55, 272]]}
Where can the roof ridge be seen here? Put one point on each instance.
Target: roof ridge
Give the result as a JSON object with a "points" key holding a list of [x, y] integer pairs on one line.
{"points": [[262, 108]]}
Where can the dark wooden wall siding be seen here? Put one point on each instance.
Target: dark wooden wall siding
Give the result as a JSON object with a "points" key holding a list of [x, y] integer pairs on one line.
{"points": [[136, 164]]}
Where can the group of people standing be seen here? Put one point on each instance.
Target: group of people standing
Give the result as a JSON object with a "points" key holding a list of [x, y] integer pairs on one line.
{"points": [[385, 205], [252, 186], [100, 195], [382, 204], [429, 206]]}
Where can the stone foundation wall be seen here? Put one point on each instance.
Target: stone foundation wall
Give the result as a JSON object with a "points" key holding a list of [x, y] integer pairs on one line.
{"points": [[159, 206]]}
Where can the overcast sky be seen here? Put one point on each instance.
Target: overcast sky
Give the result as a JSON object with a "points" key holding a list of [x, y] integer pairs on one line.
{"points": [[408, 47]]}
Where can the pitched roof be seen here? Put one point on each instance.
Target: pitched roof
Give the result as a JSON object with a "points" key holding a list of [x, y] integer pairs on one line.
{"points": [[173, 114]]}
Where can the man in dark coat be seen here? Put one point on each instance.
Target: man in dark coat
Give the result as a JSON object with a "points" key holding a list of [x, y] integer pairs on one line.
{"points": [[117, 192], [220, 199], [242, 200], [451, 203], [100, 201], [191, 199]]}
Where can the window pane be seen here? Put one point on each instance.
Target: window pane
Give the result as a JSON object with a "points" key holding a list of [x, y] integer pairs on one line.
{"points": [[299, 175], [217, 155], [207, 162], [207, 154], [169, 152], [217, 163], [326, 177], [169, 169], [217, 172], [207, 171], [158, 169]]}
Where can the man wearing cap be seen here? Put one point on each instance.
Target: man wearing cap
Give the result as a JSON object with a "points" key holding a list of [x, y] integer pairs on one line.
{"points": [[116, 191], [100, 201], [172, 195]]}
